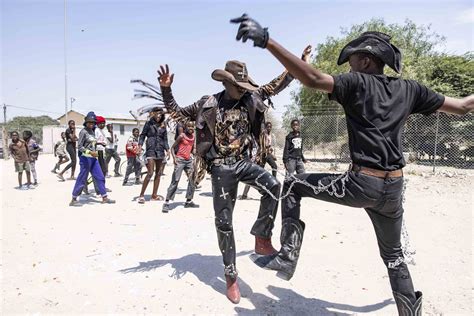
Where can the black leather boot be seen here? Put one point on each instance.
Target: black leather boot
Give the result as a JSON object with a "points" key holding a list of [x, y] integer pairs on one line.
{"points": [[284, 262], [405, 307]]}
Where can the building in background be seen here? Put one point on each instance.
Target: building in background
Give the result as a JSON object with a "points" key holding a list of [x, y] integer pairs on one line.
{"points": [[123, 125]]}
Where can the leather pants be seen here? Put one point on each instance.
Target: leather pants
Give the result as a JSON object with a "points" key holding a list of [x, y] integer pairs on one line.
{"points": [[225, 180]]}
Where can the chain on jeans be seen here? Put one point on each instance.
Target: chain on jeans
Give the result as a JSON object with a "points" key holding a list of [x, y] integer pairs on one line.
{"points": [[408, 251]]}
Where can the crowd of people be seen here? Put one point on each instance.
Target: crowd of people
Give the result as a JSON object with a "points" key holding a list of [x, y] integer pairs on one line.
{"points": [[227, 135]]}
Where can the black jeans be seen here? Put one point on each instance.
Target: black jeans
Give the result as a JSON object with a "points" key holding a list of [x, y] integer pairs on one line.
{"points": [[112, 153], [71, 150], [186, 166], [103, 165], [225, 180], [381, 199], [269, 159]]}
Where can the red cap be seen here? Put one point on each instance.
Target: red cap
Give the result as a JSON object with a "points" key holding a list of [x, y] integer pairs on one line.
{"points": [[99, 119]]}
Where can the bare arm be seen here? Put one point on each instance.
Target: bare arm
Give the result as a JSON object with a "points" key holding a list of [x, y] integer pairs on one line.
{"points": [[176, 142], [304, 72], [458, 106]]}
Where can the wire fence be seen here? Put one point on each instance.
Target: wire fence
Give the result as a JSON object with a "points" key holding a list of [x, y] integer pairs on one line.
{"points": [[436, 140]]}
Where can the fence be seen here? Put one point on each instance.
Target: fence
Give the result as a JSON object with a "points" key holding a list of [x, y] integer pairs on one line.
{"points": [[436, 140]]}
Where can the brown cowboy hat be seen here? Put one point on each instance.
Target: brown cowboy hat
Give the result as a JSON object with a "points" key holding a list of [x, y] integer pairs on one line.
{"points": [[235, 72]]}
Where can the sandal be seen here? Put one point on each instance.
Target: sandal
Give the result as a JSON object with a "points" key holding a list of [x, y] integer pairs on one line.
{"points": [[141, 200], [157, 198]]}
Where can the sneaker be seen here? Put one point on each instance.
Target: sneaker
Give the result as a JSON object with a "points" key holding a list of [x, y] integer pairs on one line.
{"points": [[35, 184], [30, 186], [124, 183], [190, 204], [74, 203], [108, 201], [60, 176], [23, 187], [166, 208]]}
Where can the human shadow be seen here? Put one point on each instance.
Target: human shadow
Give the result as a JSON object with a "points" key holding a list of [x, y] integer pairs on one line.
{"points": [[147, 198], [208, 269], [86, 199], [288, 302], [205, 194]]}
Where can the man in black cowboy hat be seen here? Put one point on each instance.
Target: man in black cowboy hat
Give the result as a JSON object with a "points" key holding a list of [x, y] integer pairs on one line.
{"points": [[226, 124], [376, 108]]}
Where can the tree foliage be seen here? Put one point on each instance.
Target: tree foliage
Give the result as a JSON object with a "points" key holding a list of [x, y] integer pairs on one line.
{"points": [[33, 123], [445, 74], [417, 44]]}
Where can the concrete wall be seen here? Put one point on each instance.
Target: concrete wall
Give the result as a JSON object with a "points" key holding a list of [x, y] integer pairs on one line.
{"points": [[52, 134]]}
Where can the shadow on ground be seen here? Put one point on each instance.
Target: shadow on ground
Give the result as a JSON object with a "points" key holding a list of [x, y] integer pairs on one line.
{"points": [[287, 301]]}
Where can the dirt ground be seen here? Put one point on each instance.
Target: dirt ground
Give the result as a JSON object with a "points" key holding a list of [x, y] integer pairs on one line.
{"points": [[133, 259]]}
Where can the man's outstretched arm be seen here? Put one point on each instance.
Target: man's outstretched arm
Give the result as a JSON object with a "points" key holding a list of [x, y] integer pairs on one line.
{"points": [[458, 106], [308, 75], [304, 72]]}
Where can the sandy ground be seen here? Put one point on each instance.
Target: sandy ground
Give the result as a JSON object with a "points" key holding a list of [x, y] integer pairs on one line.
{"points": [[134, 259]]}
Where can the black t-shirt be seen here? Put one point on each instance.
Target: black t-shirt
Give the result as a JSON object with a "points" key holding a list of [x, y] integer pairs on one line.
{"points": [[377, 108], [293, 147], [70, 141]]}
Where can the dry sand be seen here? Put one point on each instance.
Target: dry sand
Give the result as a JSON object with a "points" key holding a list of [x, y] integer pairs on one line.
{"points": [[134, 259]]}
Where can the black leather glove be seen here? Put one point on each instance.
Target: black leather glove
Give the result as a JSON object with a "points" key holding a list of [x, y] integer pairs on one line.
{"points": [[250, 29]]}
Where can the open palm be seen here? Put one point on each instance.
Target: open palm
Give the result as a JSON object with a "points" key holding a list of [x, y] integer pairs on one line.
{"points": [[164, 77]]}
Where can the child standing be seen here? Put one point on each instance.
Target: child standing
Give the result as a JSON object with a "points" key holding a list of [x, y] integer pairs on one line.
{"points": [[19, 151], [33, 150]]}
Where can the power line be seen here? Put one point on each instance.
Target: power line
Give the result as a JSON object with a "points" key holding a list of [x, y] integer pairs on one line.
{"points": [[31, 109]]}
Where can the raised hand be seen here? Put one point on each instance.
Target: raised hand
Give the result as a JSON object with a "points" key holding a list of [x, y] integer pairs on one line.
{"points": [[306, 53], [251, 29], [164, 77]]}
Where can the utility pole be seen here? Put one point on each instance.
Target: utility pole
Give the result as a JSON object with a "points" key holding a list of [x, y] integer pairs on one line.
{"points": [[65, 64], [5, 133]]}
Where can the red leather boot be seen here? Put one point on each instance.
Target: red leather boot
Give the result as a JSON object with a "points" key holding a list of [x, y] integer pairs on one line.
{"points": [[263, 246], [233, 291]]}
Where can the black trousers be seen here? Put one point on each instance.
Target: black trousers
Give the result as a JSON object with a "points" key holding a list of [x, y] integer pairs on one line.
{"points": [[269, 159], [71, 150], [225, 180], [103, 165], [381, 199], [109, 154]]}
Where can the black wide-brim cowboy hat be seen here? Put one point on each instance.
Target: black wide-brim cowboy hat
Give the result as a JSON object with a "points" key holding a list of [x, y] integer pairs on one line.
{"points": [[377, 44], [235, 72]]}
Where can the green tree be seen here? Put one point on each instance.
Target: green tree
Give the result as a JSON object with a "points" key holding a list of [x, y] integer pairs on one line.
{"points": [[33, 123], [416, 42]]}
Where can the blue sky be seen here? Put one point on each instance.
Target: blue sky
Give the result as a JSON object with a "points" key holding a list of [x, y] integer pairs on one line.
{"points": [[111, 42]]}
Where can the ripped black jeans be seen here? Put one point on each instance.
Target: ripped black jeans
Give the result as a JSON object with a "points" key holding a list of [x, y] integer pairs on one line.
{"points": [[381, 199], [225, 180]]}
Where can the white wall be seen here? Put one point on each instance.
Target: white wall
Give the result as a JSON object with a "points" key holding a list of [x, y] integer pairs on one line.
{"points": [[52, 134]]}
